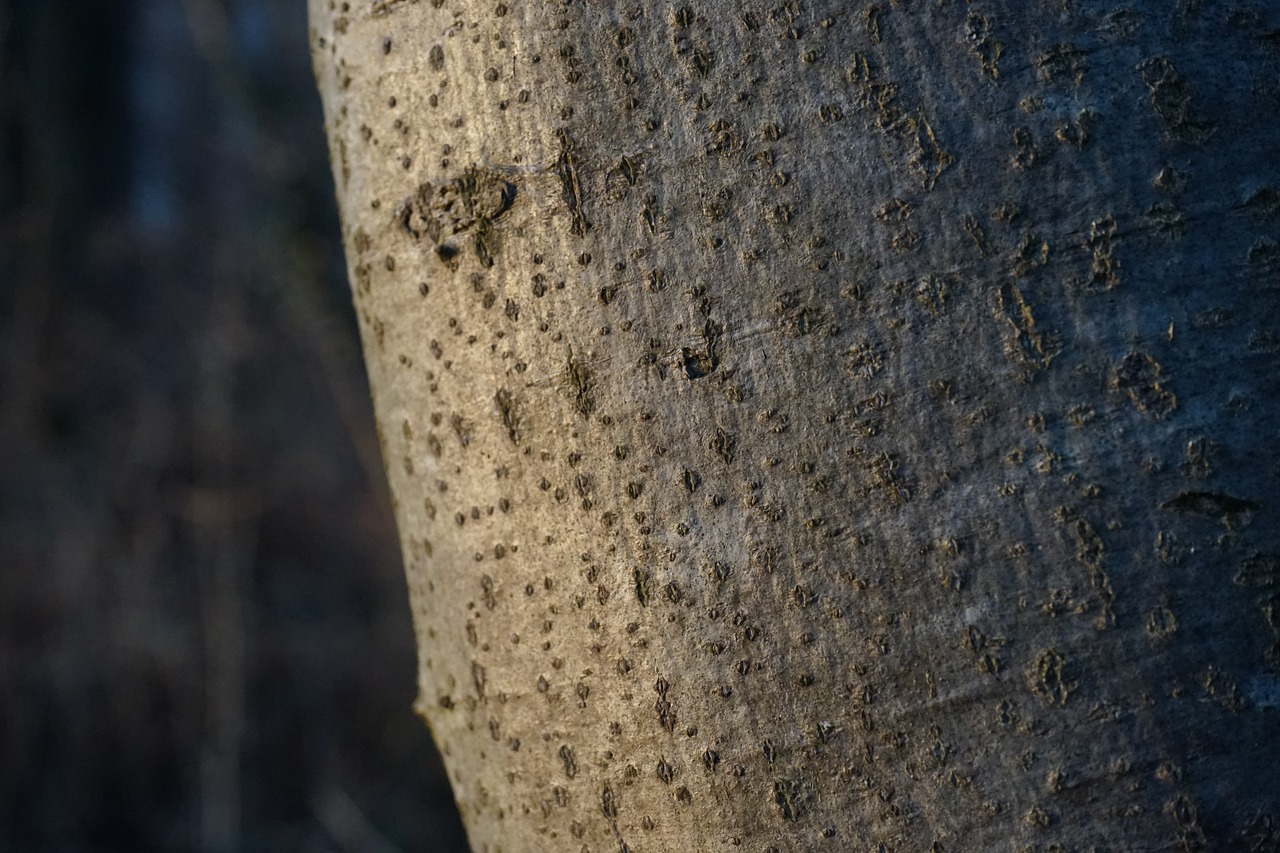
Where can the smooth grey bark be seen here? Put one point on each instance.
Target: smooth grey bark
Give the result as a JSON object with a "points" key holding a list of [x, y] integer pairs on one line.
{"points": [[825, 426]]}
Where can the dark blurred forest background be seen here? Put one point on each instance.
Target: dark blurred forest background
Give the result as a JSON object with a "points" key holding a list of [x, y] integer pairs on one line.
{"points": [[204, 633]]}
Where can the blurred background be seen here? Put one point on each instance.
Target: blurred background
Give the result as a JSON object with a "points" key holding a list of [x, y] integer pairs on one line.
{"points": [[205, 641]]}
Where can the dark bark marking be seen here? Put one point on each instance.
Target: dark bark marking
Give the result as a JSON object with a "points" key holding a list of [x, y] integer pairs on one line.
{"points": [[1260, 570], [1025, 344], [461, 428], [1077, 133], [571, 185], [1212, 504], [665, 710], [643, 586], [1187, 824], [473, 201], [889, 479], [1162, 624], [1048, 677], [984, 650], [1262, 202], [569, 760], [1032, 254], [581, 386], [1139, 375], [977, 235], [725, 445], [789, 797], [1025, 153], [1105, 268], [1171, 99], [1091, 551], [871, 20], [864, 360], [698, 363], [1061, 60], [987, 49], [873, 92], [934, 291], [929, 159]]}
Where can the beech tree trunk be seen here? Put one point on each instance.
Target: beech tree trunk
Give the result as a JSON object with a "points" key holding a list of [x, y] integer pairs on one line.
{"points": [[828, 426]]}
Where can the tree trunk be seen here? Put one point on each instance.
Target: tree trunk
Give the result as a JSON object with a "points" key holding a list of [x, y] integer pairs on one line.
{"points": [[826, 426]]}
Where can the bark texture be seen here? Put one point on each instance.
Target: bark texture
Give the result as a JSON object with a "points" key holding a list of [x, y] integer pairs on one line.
{"points": [[829, 426]]}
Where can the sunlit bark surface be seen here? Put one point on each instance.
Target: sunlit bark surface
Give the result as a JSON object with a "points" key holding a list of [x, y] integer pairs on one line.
{"points": [[828, 426]]}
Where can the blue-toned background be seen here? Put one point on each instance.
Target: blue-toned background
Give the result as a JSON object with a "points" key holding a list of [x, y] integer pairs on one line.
{"points": [[204, 635]]}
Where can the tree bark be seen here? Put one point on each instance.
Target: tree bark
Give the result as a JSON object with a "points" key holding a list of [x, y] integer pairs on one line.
{"points": [[826, 426]]}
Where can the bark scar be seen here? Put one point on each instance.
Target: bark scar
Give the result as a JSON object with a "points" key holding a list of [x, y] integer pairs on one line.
{"points": [[567, 169]]}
